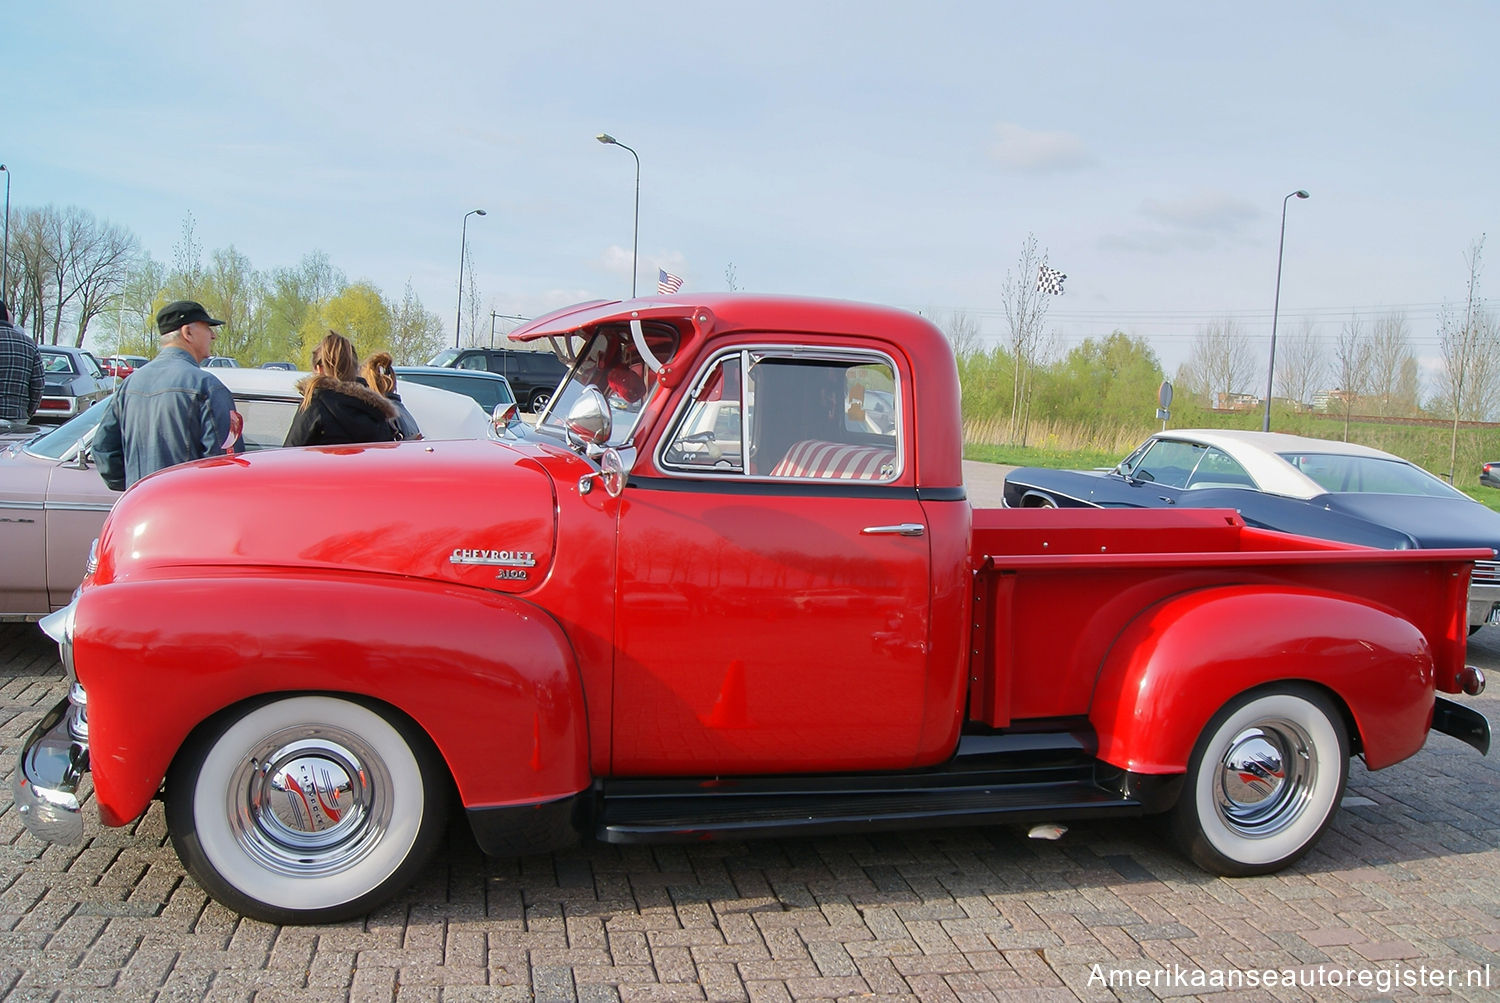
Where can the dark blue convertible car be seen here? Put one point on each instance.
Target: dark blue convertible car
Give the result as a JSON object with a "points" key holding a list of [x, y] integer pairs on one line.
{"points": [[1314, 487]]}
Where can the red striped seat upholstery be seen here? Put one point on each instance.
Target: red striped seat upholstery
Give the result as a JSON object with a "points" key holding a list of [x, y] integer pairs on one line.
{"points": [[836, 461]]}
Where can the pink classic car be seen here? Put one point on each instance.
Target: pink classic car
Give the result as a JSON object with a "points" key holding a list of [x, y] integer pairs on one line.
{"points": [[53, 502]]}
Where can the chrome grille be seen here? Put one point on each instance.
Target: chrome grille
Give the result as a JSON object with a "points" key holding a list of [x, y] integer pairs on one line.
{"points": [[1485, 573]]}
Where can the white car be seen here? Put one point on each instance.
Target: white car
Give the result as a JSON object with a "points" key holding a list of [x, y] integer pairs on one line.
{"points": [[53, 502]]}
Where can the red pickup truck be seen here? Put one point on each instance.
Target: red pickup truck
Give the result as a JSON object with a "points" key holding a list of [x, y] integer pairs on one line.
{"points": [[730, 586]]}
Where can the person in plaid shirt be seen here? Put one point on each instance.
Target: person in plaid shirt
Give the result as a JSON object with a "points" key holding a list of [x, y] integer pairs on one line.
{"points": [[20, 371]]}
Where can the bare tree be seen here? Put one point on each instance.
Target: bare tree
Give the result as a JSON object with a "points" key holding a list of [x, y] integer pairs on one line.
{"points": [[473, 310], [962, 331], [1468, 361], [731, 277], [31, 266], [1390, 353], [186, 281], [70, 265], [1351, 362], [1026, 315], [1300, 365], [1222, 363]]}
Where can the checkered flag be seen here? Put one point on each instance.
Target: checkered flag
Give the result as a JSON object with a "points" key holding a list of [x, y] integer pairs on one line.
{"points": [[1049, 280]]}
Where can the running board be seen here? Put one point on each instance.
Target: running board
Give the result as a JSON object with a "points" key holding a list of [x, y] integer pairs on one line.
{"points": [[998, 785]]}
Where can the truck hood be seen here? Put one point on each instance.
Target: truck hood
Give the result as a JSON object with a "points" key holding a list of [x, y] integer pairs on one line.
{"points": [[478, 513]]}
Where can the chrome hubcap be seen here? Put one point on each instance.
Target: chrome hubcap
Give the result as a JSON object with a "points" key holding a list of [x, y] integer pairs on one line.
{"points": [[1265, 777], [310, 801]]}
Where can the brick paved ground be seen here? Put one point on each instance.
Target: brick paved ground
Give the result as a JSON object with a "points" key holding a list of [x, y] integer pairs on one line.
{"points": [[1409, 877]]}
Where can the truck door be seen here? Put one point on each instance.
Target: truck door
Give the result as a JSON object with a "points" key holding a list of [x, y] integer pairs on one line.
{"points": [[773, 591]]}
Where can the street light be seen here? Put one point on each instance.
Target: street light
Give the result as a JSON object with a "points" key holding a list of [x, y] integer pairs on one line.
{"points": [[5, 254], [1275, 308], [462, 249], [635, 242]]}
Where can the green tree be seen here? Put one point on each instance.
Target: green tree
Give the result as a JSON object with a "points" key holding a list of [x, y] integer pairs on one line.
{"points": [[1101, 384], [359, 313]]}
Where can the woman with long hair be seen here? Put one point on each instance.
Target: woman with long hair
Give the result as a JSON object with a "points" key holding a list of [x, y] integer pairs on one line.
{"points": [[379, 377], [336, 405]]}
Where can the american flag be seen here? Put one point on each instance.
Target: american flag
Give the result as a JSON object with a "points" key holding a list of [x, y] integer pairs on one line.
{"points": [[1049, 280], [667, 283]]}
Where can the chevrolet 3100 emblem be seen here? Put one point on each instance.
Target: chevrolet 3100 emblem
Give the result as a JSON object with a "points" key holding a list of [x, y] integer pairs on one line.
{"points": [[501, 558]]}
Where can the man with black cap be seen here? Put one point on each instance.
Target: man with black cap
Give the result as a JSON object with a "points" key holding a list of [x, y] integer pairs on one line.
{"points": [[171, 411], [20, 371]]}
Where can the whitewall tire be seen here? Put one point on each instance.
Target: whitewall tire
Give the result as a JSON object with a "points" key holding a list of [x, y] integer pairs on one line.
{"points": [[1264, 781], [306, 809]]}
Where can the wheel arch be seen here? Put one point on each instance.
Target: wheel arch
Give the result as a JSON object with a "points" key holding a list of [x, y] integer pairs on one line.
{"points": [[489, 679], [1177, 663]]}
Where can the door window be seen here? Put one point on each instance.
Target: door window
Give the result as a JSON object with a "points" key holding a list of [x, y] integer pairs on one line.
{"points": [[832, 418]]}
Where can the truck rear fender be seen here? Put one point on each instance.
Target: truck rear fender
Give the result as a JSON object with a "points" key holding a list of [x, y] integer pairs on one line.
{"points": [[1182, 659], [490, 678]]}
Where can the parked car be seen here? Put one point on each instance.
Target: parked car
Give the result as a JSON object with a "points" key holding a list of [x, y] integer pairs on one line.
{"points": [[489, 390], [1314, 487], [74, 382], [55, 501], [277, 365], [534, 376], [122, 366], [1489, 475], [220, 362]]}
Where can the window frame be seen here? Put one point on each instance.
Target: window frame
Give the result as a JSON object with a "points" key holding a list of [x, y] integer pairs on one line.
{"points": [[754, 353]]}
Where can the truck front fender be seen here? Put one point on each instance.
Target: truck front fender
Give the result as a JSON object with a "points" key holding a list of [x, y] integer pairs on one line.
{"points": [[1182, 659], [489, 677]]}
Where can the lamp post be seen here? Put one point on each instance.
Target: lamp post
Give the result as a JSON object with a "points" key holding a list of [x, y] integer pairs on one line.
{"points": [[5, 254], [1276, 308], [635, 240], [463, 247]]}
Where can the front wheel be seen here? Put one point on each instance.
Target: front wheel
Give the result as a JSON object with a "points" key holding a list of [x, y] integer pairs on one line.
{"points": [[1264, 781], [306, 809], [539, 400]]}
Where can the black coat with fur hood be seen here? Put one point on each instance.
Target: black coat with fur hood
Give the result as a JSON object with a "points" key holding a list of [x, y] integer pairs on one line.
{"points": [[340, 412]]}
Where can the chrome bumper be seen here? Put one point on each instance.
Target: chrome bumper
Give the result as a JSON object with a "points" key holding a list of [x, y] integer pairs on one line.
{"points": [[56, 756], [53, 762]]}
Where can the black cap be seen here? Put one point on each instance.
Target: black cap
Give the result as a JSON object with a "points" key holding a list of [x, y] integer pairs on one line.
{"points": [[174, 315]]}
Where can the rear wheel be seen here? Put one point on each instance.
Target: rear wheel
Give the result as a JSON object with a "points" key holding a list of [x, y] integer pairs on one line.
{"points": [[307, 809], [1264, 782], [539, 400]]}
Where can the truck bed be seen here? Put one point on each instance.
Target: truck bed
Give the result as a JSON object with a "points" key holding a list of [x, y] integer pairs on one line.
{"points": [[1076, 577]]}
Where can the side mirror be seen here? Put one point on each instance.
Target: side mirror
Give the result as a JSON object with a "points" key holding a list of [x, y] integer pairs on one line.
{"points": [[588, 422], [503, 415], [611, 474]]}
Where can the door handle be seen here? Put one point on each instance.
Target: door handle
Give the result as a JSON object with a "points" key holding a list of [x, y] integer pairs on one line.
{"points": [[904, 529]]}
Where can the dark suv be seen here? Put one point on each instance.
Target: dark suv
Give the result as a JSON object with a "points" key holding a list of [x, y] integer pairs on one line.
{"points": [[532, 375]]}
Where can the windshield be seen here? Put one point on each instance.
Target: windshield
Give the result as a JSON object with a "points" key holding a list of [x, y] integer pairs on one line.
{"points": [[1369, 475], [56, 443], [610, 362], [443, 358]]}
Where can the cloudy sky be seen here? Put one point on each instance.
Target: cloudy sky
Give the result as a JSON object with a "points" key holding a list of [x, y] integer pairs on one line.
{"points": [[893, 152]]}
